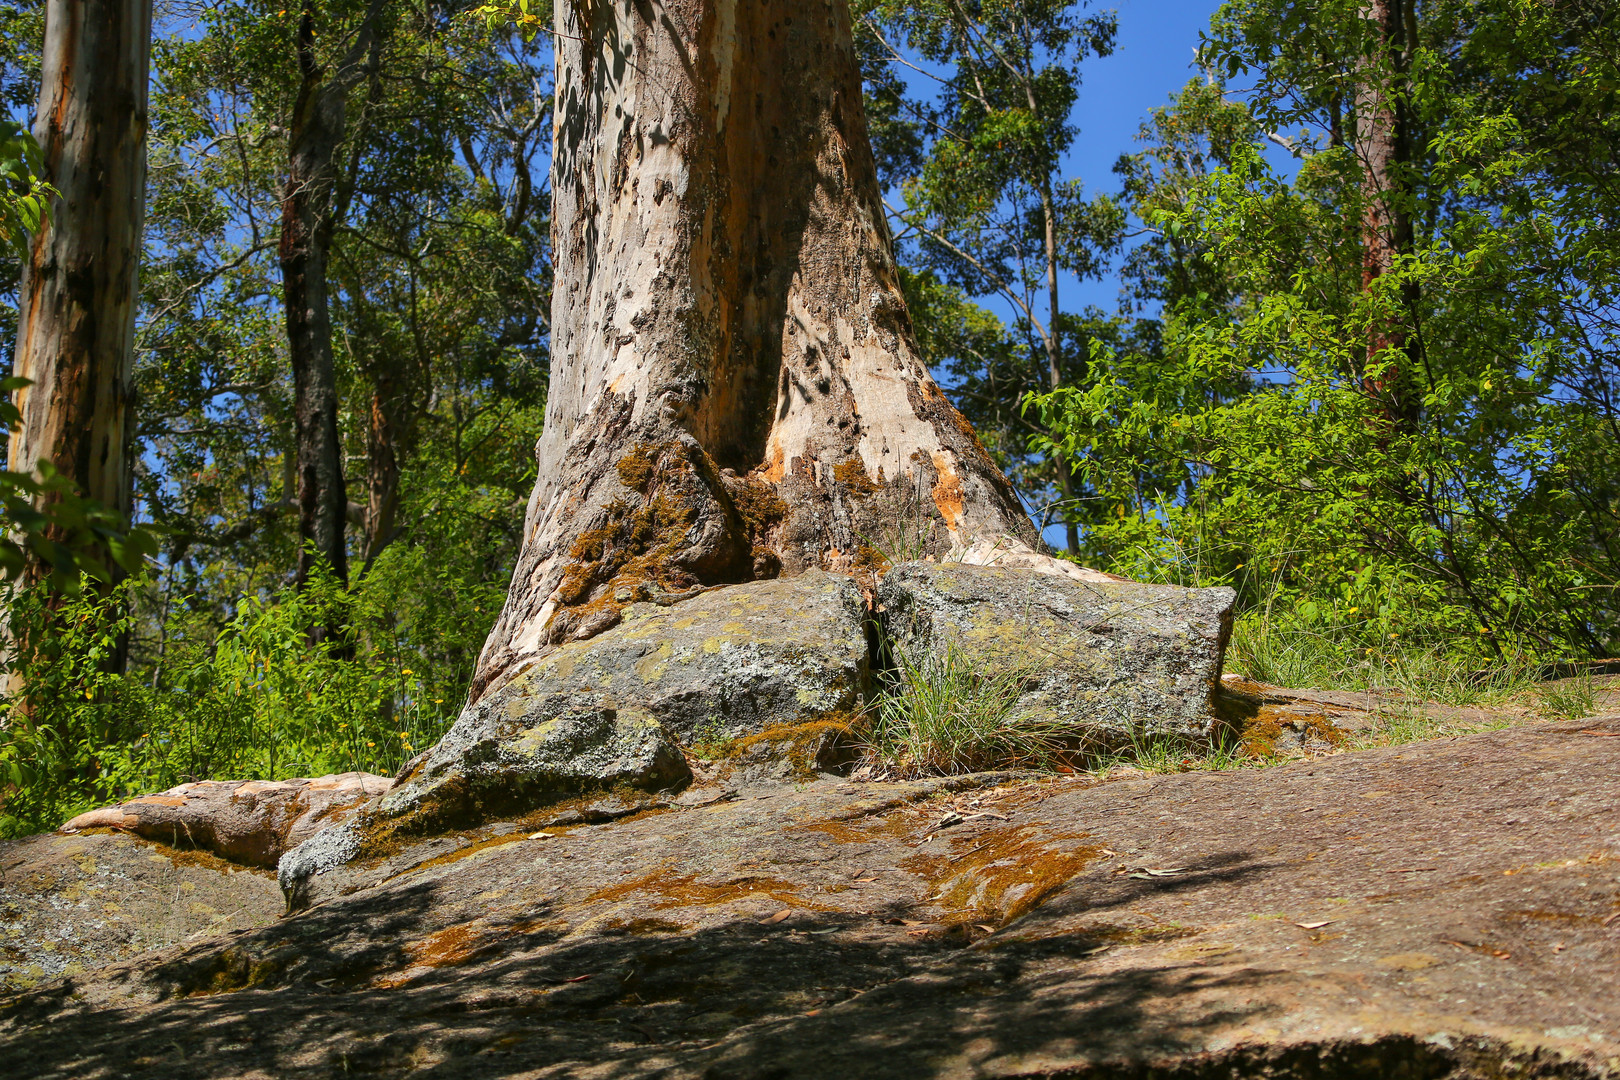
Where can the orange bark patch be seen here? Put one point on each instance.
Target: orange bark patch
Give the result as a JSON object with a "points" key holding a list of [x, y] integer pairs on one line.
{"points": [[947, 492], [777, 467]]}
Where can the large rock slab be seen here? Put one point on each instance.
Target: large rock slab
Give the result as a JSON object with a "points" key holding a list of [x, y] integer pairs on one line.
{"points": [[252, 822], [1444, 910], [746, 664], [1110, 660], [71, 904], [727, 664]]}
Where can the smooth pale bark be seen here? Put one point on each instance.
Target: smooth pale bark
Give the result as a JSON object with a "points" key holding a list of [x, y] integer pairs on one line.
{"points": [[76, 323], [1383, 146], [735, 392], [309, 212]]}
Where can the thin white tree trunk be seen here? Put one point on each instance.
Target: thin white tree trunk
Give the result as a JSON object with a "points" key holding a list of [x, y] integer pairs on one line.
{"points": [[735, 391]]}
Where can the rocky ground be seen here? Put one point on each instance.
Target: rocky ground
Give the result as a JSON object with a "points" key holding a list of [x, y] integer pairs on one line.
{"points": [[1447, 908]]}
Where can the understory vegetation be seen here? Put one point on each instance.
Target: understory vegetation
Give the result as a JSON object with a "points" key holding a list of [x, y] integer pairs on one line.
{"points": [[1363, 368]]}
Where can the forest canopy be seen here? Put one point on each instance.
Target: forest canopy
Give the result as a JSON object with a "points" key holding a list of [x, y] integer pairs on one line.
{"points": [[1363, 364]]}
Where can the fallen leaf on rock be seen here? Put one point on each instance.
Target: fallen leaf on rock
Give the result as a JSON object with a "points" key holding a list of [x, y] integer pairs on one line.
{"points": [[865, 880], [1412, 870], [919, 932], [1148, 873], [778, 917], [1611, 918], [902, 922], [1313, 925], [986, 929], [829, 930], [541, 835]]}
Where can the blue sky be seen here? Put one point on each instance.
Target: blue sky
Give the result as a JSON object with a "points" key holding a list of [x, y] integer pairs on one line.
{"points": [[1153, 59]]}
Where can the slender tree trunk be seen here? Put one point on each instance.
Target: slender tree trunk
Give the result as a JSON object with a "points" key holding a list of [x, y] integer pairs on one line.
{"points": [[308, 216], [76, 323], [735, 392], [1383, 146], [390, 436], [1054, 355], [76, 318]]}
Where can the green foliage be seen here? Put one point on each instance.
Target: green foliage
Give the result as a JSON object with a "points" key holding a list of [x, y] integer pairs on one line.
{"points": [[527, 17], [42, 514], [1262, 444], [255, 701], [24, 197]]}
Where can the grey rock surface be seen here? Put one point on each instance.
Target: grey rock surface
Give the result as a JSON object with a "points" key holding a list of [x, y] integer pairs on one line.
{"points": [[1109, 659], [726, 664], [757, 662], [70, 904], [1438, 910]]}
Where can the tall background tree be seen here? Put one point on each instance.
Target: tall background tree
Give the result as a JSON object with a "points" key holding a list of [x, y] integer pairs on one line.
{"points": [[75, 341]]}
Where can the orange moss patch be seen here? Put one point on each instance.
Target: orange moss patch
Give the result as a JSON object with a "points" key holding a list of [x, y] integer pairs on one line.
{"points": [[896, 824], [996, 877], [456, 945], [637, 468], [852, 474], [670, 891], [1260, 733], [232, 970], [761, 510], [870, 560], [470, 849]]}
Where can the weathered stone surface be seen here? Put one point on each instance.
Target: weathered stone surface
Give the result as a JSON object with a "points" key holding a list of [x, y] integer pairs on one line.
{"points": [[1109, 658], [70, 904], [724, 666], [727, 663], [252, 822], [1438, 910]]}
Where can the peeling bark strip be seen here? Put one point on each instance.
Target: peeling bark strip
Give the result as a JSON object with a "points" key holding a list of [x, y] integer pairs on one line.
{"points": [[76, 328], [309, 212], [726, 294]]}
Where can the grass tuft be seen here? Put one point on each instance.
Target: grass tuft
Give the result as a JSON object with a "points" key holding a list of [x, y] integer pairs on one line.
{"points": [[944, 713]]}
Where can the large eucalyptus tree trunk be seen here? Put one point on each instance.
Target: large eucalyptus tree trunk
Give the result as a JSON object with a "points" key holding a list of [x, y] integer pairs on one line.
{"points": [[735, 393], [76, 323]]}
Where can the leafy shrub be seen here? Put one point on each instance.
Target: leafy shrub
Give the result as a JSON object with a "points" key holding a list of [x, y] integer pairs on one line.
{"points": [[255, 701]]}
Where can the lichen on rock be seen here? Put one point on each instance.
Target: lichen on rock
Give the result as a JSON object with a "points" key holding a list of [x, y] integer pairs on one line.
{"points": [[1109, 660], [616, 712]]}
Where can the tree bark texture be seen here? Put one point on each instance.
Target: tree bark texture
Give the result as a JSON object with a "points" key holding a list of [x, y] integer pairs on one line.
{"points": [[735, 392], [308, 217], [76, 324], [1383, 146]]}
